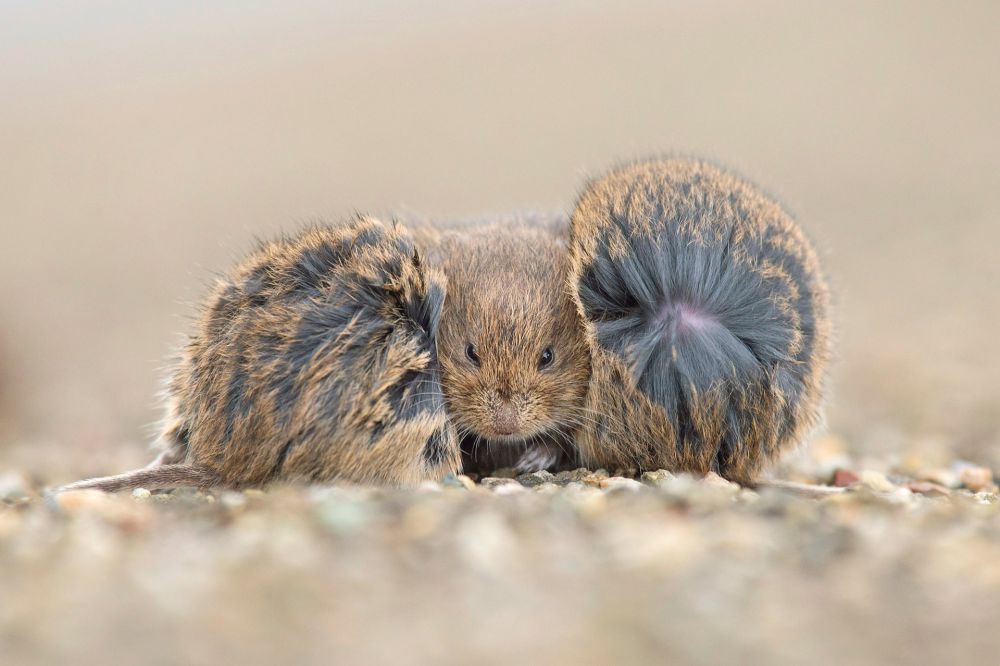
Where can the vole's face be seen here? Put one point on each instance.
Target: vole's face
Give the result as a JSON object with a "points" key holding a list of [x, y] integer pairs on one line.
{"points": [[514, 360]]}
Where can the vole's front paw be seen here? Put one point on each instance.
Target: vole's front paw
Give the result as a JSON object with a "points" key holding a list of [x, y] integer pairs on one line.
{"points": [[536, 458]]}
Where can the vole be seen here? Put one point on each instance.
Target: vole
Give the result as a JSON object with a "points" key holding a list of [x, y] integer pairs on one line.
{"points": [[708, 319], [685, 326], [514, 357], [315, 359]]}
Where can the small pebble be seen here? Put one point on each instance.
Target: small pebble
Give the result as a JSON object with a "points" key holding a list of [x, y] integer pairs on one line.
{"points": [[572, 476], [942, 477], [844, 478], [589, 502], [344, 517], [655, 477], [233, 499], [14, 486], [494, 482], [536, 478], [928, 488], [620, 483], [713, 479], [876, 481], [978, 479], [509, 489], [627, 472], [109, 508], [75, 501]]}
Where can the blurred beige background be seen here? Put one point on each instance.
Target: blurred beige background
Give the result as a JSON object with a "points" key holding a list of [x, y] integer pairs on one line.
{"points": [[144, 145]]}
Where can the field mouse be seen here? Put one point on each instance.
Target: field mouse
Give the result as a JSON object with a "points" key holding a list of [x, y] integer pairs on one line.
{"points": [[515, 360], [314, 360], [678, 320], [707, 315]]}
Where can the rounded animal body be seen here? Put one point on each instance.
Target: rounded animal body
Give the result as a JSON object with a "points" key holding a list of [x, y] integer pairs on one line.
{"points": [[707, 315], [314, 360]]}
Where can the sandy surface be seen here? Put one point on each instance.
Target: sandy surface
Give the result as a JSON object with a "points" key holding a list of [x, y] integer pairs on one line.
{"points": [[576, 568], [143, 146]]}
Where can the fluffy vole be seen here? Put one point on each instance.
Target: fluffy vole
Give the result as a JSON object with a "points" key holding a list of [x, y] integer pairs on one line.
{"points": [[314, 360], [684, 327], [514, 356], [708, 318]]}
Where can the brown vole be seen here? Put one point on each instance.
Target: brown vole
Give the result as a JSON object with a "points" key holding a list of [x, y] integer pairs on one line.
{"points": [[514, 357], [314, 360], [337, 355], [708, 319]]}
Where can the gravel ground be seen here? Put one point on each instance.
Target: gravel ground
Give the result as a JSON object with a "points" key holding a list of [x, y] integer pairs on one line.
{"points": [[899, 564]]}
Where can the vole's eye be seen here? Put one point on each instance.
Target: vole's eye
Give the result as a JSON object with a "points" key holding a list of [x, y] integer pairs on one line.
{"points": [[545, 360], [470, 353]]}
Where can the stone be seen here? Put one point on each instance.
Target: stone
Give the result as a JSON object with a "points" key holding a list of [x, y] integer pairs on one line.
{"points": [[655, 477], [536, 478], [79, 501], [494, 482], [343, 516], [940, 476], [876, 481], [714, 480], [107, 507], [929, 488], [572, 476], [512, 488], [978, 479], [14, 486], [589, 502], [232, 499], [627, 472], [620, 483], [844, 478]]}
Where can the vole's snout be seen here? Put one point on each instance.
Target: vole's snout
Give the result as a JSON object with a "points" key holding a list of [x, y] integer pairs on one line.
{"points": [[507, 420]]}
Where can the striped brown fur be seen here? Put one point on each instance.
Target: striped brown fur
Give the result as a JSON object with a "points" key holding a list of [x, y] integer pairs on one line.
{"points": [[708, 318], [314, 360], [339, 354]]}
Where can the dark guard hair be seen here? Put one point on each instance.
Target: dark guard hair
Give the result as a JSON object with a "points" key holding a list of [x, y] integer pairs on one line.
{"points": [[314, 360], [707, 315]]}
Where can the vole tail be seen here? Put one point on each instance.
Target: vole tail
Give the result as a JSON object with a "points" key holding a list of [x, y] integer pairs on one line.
{"points": [[151, 478]]}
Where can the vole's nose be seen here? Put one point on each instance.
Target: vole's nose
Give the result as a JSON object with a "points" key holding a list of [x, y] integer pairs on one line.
{"points": [[506, 420]]}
